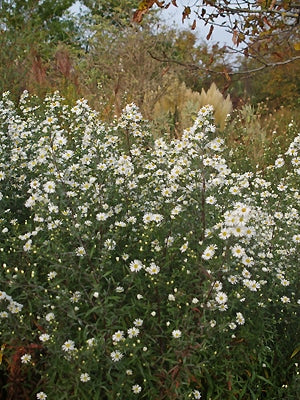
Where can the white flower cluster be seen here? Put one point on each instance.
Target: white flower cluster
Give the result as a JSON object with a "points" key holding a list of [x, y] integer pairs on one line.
{"points": [[13, 307], [119, 225]]}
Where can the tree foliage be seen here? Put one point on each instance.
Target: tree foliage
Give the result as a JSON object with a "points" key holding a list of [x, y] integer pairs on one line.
{"points": [[118, 12], [258, 28], [32, 34], [47, 15]]}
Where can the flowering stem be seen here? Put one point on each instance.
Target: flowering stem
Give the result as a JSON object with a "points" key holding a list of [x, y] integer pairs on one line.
{"points": [[203, 208]]}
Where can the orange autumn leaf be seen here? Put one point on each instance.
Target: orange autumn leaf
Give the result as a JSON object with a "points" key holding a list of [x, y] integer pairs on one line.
{"points": [[297, 46], [143, 8], [185, 13]]}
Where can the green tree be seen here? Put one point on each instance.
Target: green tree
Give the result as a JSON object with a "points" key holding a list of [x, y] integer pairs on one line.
{"points": [[46, 15], [280, 85], [118, 12], [31, 32]]}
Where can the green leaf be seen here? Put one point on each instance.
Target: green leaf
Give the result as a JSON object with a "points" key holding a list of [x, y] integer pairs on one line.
{"points": [[265, 380], [296, 351]]}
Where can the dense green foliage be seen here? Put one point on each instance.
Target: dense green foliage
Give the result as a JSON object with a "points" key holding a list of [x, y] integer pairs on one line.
{"points": [[143, 268]]}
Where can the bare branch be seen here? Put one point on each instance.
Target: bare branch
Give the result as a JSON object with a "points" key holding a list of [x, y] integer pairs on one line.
{"points": [[267, 65], [232, 73], [230, 10]]}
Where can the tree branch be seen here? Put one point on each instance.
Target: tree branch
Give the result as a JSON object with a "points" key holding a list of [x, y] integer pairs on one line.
{"points": [[230, 10], [232, 73]]}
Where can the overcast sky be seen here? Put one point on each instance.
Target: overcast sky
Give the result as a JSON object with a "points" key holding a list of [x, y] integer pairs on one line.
{"points": [[173, 16]]}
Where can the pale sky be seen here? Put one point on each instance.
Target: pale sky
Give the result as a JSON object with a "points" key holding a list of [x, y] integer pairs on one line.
{"points": [[173, 17]]}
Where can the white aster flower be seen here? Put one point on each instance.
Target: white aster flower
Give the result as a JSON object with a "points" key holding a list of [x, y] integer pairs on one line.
{"points": [[26, 358], [247, 261], [153, 269], [52, 275], [41, 396], [211, 200], [91, 342], [44, 337], [285, 299], [116, 355], [102, 216], [224, 234], [223, 307], [133, 332], [221, 298], [138, 322], [296, 238], [50, 317], [85, 377], [184, 247], [197, 394], [135, 265], [147, 218], [238, 251], [279, 162], [3, 314], [80, 251], [49, 187], [136, 389], [218, 286], [176, 333], [284, 282], [171, 297], [209, 252], [240, 319], [232, 279], [68, 346], [27, 245], [118, 336]]}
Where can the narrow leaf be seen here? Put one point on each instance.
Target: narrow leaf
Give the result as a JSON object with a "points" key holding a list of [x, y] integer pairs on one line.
{"points": [[1, 353], [210, 32], [226, 75], [235, 37], [296, 351], [194, 25], [265, 380]]}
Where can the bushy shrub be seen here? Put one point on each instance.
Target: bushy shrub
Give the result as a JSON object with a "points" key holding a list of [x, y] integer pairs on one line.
{"points": [[142, 268], [258, 134]]}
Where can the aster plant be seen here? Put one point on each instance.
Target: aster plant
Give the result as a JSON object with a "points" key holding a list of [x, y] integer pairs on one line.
{"points": [[136, 267]]}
